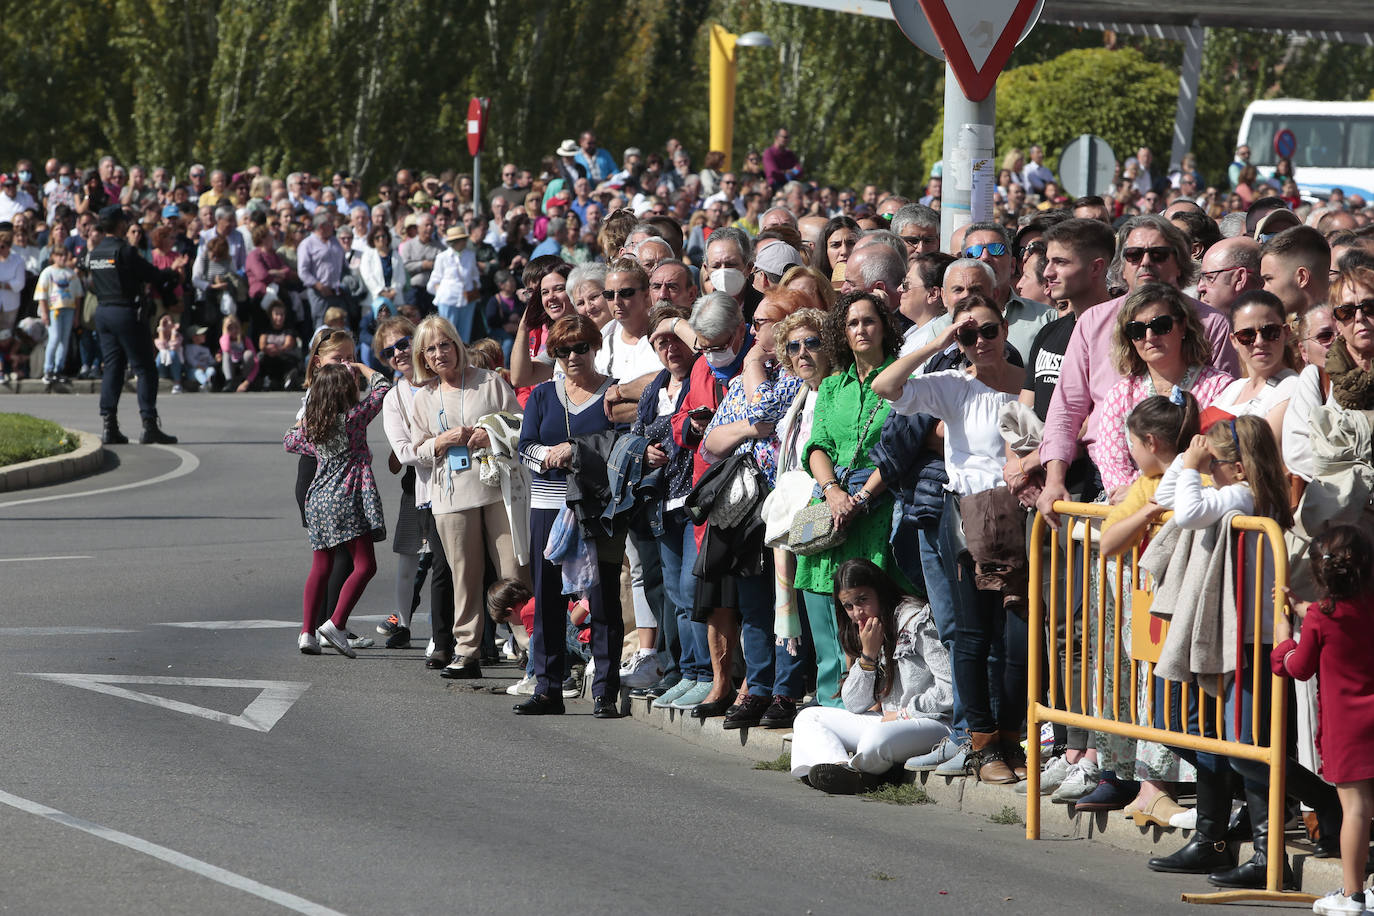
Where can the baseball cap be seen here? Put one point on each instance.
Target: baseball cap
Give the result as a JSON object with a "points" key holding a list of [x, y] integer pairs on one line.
{"points": [[1274, 222], [113, 211], [776, 258], [7, 178], [170, 211], [1259, 209]]}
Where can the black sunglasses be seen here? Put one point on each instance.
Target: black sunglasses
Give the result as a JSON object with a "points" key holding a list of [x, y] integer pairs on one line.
{"points": [[812, 344], [1347, 312], [579, 348], [987, 331], [1135, 330], [1158, 254], [1246, 336], [626, 293], [1324, 337], [400, 346]]}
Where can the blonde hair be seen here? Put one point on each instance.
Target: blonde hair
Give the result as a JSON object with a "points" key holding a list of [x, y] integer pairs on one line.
{"points": [[430, 330], [801, 318], [1196, 348], [486, 354], [824, 287], [326, 341], [334, 313]]}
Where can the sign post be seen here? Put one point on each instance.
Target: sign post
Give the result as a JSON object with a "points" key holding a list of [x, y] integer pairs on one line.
{"points": [[1285, 144], [977, 38], [1086, 166], [477, 133]]}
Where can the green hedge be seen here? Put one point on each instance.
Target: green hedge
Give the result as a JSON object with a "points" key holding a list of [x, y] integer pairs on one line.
{"points": [[24, 438]]}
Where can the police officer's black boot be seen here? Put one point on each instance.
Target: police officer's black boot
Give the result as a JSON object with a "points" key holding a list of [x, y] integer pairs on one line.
{"points": [[110, 434], [153, 434]]}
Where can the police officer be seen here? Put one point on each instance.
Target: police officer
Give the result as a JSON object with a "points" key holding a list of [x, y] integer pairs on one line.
{"points": [[118, 274]]}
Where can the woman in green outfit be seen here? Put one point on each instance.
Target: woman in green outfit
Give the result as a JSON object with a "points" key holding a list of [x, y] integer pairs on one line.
{"points": [[848, 421]]}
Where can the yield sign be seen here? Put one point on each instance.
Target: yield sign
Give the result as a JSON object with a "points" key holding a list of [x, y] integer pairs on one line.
{"points": [[978, 37], [273, 700]]}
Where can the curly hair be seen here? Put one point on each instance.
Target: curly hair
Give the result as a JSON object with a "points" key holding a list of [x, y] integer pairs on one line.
{"points": [[801, 318], [1341, 558], [839, 314], [1197, 349]]}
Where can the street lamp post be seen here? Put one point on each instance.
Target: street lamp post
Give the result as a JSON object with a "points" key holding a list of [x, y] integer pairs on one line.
{"points": [[723, 45]]}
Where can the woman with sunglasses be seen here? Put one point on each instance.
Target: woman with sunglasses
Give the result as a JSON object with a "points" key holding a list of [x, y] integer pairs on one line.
{"points": [[571, 404], [1261, 337], [969, 401], [1159, 343], [469, 516], [1316, 330]]}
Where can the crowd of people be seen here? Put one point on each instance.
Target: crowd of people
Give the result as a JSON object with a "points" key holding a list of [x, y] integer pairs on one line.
{"points": [[757, 448]]}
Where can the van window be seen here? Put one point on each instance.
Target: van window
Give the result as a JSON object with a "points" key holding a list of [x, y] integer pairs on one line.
{"points": [[1323, 142]]}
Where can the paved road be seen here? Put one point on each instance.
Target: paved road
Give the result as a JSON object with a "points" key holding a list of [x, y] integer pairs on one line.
{"points": [[381, 788]]}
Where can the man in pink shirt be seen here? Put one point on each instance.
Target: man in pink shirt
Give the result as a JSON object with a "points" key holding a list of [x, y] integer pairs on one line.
{"points": [[1149, 249]]}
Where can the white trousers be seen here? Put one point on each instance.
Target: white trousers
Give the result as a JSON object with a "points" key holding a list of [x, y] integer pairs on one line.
{"points": [[823, 734]]}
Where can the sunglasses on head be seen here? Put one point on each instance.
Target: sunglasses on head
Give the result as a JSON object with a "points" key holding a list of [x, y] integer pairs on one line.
{"points": [[1158, 254], [625, 293], [1347, 312], [996, 249], [1135, 330], [400, 346], [812, 344], [987, 331], [1246, 336], [579, 348]]}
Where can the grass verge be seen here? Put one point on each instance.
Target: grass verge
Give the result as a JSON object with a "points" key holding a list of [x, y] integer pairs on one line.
{"points": [[781, 764], [24, 438], [1008, 815], [902, 793]]}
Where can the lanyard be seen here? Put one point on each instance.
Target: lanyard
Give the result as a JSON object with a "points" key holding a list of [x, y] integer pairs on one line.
{"points": [[462, 394]]}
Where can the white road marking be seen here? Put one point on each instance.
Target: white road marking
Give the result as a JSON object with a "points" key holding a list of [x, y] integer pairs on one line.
{"points": [[230, 624], [59, 631], [260, 715], [39, 559], [188, 464], [171, 856]]}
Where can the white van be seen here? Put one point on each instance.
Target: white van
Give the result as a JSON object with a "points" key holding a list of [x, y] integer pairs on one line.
{"points": [[1335, 143]]}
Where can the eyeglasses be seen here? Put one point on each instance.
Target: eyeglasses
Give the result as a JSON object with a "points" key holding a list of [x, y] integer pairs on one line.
{"points": [[721, 348], [916, 241], [758, 323], [987, 331], [1347, 312], [728, 181], [400, 346], [628, 292], [1135, 330], [1210, 276], [1323, 337], [812, 344], [1158, 254], [1246, 336], [579, 348], [996, 249]]}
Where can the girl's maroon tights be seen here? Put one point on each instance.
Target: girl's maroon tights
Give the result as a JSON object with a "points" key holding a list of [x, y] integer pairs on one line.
{"points": [[364, 568]]}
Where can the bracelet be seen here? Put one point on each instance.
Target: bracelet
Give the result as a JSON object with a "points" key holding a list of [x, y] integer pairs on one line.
{"points": [[862, 496], [832, 482], [672, 328], [867, 666]]}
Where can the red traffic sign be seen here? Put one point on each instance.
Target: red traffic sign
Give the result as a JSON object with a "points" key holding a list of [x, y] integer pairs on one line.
{"points": [[1285, 144], [477, 124], [978, 37]]}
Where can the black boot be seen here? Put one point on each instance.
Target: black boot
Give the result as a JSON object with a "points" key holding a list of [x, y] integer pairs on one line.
{"points": [[153, 434], [1208, 850], [1254, 873], [110, 434]]}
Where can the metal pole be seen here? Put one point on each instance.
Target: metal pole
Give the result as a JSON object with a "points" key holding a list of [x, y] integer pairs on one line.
{"points": [[968, 165], [1087, 170], [477, 184], [1194, 36], [722, 78]]}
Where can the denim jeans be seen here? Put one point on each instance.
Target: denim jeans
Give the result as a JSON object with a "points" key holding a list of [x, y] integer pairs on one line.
{"points": [[677, 550], [172, 369], [756, 630], [941, 597], [59, 332]]}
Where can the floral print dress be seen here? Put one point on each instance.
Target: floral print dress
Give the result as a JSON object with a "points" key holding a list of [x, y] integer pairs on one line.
{"points": [[342, 502]]}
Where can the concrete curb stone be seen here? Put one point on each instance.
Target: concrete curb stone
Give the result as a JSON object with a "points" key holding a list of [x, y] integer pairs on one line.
{"points": [[41, 472]]}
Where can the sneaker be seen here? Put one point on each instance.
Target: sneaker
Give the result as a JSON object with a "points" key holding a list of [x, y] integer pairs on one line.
{"points": [[642, 670], [1111, 794], [523, 687], [954, 766], [176, 389], [946, 750], [1051, 777], [1081, 779], [399, 638], [429, 649], [308, 644], [360, 642], [390, 625], [336, 638], [572, 688], [1337, 902], [1184, 820], [674, 692], [693, 697]]}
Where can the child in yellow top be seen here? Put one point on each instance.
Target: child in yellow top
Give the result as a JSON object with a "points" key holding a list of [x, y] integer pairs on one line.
{"points": [[1159, 429]]}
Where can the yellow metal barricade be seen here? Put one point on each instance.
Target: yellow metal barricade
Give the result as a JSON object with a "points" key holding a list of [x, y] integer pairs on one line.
{"points": [[1098, 659]]}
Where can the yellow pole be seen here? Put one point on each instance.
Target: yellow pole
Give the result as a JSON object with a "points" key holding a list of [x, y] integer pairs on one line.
{"points": [[723, 91]]}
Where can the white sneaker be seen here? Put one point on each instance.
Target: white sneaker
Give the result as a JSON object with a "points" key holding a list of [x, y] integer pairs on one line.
{"points": [[1184, 820], [336, 639], [523, 687], [176, 389], [308, 644], [1051, 776], [1081, 779], [642, 670], [1337, 902]]}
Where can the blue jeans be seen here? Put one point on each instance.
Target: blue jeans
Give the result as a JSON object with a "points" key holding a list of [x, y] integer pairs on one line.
{"points": [[677, 551], [88, 342], [173, 369], [756, 630], [59, 332], [941, 596]]}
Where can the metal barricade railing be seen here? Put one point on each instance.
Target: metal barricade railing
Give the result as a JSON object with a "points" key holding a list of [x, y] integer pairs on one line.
{"points": [[1101, 657]]}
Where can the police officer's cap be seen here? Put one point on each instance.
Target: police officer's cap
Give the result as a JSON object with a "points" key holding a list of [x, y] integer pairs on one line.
{"points": [[112, 212]]}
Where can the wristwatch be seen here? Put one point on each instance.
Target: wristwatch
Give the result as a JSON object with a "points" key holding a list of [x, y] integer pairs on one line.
{"points": [[862, 498]]}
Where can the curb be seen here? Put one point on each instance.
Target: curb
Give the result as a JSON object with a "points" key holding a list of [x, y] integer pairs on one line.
{"points": [[87, 459], [1057, 822]]}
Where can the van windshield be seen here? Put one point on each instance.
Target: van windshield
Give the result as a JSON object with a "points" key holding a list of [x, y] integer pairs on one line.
{"points": [[1323, 141]]}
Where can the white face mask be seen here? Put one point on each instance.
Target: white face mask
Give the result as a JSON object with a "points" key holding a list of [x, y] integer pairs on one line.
{"points": [[728, 280], [720, 358]]}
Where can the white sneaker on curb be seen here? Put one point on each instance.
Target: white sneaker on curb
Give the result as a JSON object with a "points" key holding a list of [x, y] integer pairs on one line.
{"points": [[1184, 820], [523, 687], [1337, 902], [1051, 776], [308, 644], [642, 670], [1081, 779]]}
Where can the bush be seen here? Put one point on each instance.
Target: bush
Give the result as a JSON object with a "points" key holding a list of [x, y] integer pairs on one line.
{"points": [[24, 438]]}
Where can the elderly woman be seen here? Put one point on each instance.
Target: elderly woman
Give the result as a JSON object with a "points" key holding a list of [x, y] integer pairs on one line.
{"points": [[570, 405], [1316, 331], [848, 422], [382, 272], [1261, 335], [264, 267], [586, 287], [1159, 344], [468, 514], [747, 417]]}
